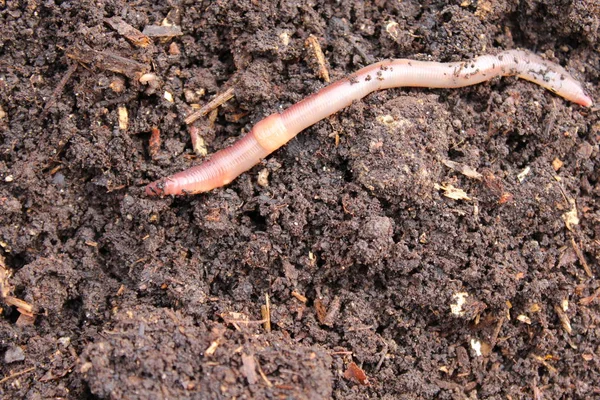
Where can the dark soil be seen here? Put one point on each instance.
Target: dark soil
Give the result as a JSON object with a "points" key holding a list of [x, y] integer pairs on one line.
{"points": [[359, 251]]}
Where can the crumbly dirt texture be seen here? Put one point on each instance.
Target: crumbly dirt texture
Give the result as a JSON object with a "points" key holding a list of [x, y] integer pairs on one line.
{"points": [[444, 241]]}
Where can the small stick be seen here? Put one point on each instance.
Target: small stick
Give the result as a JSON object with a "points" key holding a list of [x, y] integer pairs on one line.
{"points": [[581, 258], [299, 296], [341, 353], [263, 375], [129, 32], [265, 311], [384, 353], [242, 321], [211, 105], [544, 363], [16, 374], [586, 301], [22, 305], [109, 61], [313, 44], [496, 333], [154, 142], [564, 319]]}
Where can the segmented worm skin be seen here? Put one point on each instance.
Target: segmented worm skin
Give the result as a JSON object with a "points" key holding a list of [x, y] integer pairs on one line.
{"points": [[277, 129]]}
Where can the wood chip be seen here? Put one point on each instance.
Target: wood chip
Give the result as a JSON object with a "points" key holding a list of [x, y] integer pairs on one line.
{"points": [[27, 316], [198, 143], [313, 44], [542, 361], [321, 310], [464, 169], [523, 174], [447, 385], [117, 85], [564, 319], [129, 32], [109, 61], [148, 77], [22, 305], [557, 164], [212, 348], [524, 318], [451, 192], [393, 29], [154, 143], [123, 118], [505, 198], [164, 31], [587, 356], [5, 287], [334, 308], [586, 301], [327, 317], [299, 296], [356, 374], [25, 320], [263, 177], [567, 257], [174, 49], [248, 369], [571, 218]]}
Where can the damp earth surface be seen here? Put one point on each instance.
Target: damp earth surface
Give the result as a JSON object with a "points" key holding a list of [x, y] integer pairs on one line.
{"points": [[418, 244]]}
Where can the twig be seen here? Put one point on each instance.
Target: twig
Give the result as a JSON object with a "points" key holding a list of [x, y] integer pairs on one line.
{"points": [[211, 105], [154, 142], [384, 353], [581, 258], [263, 375], [544, 363], [129, 32], [265, 311], [16, 374], [313, 44], [564, 319], [586, 301], [299, 296], [341, 353], [496, 333], [109, 61]]}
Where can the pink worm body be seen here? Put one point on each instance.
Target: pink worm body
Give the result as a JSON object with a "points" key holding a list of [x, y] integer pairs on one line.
{"points": [[277, 129]]}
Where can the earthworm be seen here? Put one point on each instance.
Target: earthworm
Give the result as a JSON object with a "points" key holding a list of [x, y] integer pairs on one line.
{"points": [[277, 129]]}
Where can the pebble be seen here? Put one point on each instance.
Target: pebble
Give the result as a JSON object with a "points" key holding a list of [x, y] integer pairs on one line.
{"points": [[14, 354]]}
